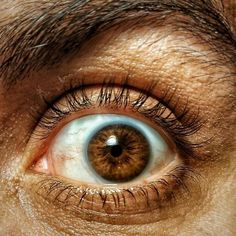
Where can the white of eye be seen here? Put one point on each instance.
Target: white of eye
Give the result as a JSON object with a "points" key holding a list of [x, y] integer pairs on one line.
{"points": [[68, 152]]}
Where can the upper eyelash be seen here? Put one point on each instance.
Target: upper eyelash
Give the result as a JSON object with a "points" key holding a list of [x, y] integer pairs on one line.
{"points": [[179, 128]]}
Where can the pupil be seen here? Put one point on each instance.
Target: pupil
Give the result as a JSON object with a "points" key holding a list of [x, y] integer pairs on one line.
{"points": [[116, 150]]}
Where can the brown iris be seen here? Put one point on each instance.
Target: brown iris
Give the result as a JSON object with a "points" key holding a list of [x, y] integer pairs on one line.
{"points": [[118, 153]]}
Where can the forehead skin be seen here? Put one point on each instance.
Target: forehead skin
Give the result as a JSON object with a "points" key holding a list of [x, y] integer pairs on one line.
{"points": [[207, 220]]}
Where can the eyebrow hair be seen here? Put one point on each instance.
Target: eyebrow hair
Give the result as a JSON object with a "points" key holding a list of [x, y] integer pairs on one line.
{"points": [[40, 37]]}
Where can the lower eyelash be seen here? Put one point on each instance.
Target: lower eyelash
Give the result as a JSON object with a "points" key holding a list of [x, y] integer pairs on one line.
{"points": [[136, 199]]}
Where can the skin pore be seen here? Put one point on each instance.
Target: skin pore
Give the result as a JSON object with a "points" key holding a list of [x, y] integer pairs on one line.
{"points": [[189, 54]]}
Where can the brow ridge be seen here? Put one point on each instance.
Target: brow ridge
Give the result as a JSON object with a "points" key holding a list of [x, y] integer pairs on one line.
{"points": [[43, 39]]}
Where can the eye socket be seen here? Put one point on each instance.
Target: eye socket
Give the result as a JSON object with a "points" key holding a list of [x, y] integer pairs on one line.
{"points": [[106, 148], [88, 122]]}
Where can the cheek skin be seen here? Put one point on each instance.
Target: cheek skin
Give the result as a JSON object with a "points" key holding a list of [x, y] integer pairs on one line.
{"points": [[202, 221], [215, 214]]}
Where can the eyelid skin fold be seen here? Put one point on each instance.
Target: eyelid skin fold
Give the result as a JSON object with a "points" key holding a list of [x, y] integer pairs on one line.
{"points": [[164, 111]]}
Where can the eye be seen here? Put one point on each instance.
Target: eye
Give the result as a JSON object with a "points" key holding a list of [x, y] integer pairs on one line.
{"points": [[106, 148], [113, 149]]}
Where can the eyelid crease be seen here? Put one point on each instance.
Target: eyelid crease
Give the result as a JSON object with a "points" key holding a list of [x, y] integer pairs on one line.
{"points": [[178, 126]]}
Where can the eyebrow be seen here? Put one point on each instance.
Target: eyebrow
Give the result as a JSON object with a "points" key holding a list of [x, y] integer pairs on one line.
{"points": [[40, 37]]}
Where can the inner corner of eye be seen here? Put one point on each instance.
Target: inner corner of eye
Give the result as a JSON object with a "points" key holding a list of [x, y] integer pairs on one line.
{"points": [[41, 165], [106, 149]]}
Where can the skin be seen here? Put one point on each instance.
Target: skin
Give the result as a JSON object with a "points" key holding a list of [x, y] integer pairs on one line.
{"points": [[208, 210]]}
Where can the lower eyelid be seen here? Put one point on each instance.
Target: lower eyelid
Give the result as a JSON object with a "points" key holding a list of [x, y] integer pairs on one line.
{"points": [[115, 201]]}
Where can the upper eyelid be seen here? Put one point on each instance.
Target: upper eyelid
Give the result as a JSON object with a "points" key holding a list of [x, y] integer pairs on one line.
{"points": [[124, 84], [40, 53], [180, 132]]}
